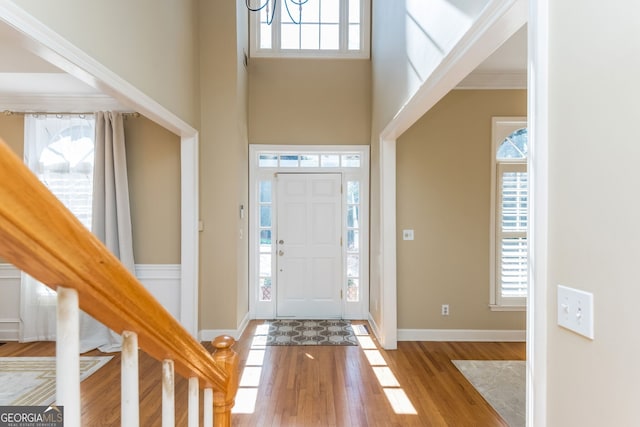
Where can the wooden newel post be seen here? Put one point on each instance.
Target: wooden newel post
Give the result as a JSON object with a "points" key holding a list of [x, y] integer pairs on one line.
{"points": [[227, 360]]}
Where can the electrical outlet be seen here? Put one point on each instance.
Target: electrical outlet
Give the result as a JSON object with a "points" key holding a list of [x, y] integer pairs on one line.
{"points": [[445, 309]]}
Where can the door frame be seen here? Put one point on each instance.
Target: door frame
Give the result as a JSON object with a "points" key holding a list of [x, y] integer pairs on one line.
{"points": [[267, 309]]}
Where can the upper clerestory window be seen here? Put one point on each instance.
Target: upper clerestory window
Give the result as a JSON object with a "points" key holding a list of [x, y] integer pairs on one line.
{"points": [[309, 28]]}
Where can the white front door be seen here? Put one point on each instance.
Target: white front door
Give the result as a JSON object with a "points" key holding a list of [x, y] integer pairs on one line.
{"points": [[308, 245]]}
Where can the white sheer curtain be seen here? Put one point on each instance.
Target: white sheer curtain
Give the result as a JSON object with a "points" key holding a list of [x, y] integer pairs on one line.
{"points": [[90, 177], [59, 150]]}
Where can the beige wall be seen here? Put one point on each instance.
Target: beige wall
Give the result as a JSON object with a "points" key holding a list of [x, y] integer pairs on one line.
{"points": [[443, 194], [298, 101], [153, 160], [594, 232], [223, 166], [12, 132], [151, 44], [410, 39]]}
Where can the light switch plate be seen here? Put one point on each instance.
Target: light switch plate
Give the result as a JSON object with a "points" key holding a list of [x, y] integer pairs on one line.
{"points": [[575, 310], [407, 234]]}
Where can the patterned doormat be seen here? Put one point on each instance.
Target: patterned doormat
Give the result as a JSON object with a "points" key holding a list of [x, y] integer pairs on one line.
{"points": [[310, 332]]}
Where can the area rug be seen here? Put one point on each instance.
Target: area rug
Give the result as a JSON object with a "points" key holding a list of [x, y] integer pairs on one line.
{"points": [[501, 383], [310, 332], [30, 381]]}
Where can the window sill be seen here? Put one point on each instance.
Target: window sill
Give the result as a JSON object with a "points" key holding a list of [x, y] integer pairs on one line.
{"points": [[495, 307]]}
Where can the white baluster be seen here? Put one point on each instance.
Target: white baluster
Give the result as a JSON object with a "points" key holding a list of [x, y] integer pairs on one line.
{"points": [[168, 394], [68, 356], [194, 401], [129, 380], [208, 407]]}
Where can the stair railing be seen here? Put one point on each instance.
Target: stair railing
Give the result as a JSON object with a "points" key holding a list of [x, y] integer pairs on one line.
{"points": [[42, 238]]}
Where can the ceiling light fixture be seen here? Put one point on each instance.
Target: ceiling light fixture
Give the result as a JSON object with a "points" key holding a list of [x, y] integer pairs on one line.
{"points": [[270, 6]]}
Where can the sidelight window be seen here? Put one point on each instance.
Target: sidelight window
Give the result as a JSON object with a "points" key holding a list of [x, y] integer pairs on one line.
{"points": [[511, 215]]}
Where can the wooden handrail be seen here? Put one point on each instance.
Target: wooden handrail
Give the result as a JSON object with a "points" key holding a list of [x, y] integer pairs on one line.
{"points": [[41, 237]]}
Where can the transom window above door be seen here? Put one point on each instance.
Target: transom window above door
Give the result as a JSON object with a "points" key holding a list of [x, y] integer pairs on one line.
{"points": [[311, 160], [309, 28]]}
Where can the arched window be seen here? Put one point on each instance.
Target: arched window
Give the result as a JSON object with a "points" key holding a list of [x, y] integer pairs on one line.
{"points": [[510, 215], [60, 151]]}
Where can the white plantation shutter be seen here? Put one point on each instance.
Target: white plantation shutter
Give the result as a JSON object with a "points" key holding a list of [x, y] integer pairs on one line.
{"points": [[512, 210]]}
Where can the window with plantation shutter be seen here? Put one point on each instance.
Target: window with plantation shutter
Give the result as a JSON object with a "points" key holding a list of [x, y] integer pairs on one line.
{"points": [[512, 233], [510, 191]]}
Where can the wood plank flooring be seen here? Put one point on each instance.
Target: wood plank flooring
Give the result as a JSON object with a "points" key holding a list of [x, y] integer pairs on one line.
{"points": [[315, 386]]}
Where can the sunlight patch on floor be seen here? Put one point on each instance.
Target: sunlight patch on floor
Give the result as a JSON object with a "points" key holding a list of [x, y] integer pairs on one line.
{"points": [[250, 378], [395, 394], [399, 401], [366, 342], [255, 358], [375, 358], [245, 401], [385, 376]]}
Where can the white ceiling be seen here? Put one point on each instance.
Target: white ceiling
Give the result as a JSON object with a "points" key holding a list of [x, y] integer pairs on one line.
{"points": [[29, 83]]}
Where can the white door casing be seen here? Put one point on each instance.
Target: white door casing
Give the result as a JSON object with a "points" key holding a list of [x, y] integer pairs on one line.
{"points": [[351, 163], [308, 251]]}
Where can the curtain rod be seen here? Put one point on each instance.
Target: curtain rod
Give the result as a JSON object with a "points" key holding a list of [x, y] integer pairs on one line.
{"points": [[58, 113]]}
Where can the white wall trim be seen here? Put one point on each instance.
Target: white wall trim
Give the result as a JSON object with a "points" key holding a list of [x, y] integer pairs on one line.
{"points": [[9, 271], [207, 335], [52, 47], [478, 335], [189, 234], [9, 329], [538, 313], [10, 312], [161, 280], [375, 329], [388, 329], [157, 271]]}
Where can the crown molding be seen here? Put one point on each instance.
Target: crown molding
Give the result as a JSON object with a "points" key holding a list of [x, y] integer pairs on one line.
{"points": [[494, 80]]}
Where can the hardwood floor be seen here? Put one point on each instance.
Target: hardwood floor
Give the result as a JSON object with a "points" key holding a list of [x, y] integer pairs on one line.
{"points": [[316, 386]]}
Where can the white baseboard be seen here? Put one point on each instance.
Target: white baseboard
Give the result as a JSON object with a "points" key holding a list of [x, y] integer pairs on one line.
{"points": [[210, 334], [374, 327], [480, 335], [9, 330]]}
